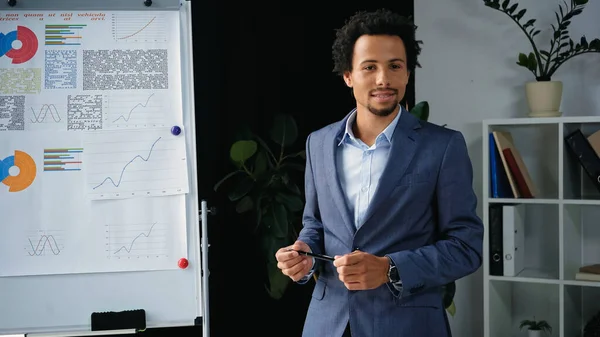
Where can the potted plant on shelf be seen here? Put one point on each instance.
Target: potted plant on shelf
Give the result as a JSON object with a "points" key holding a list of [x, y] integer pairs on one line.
{"points": [[544, 94], [536, 328]]}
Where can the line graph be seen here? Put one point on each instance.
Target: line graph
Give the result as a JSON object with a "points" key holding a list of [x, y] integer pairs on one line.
{"points": [[134, 110], [139, 28], [118, 183], [136, 240], [44, 243], [42, 115], [134, 163]]}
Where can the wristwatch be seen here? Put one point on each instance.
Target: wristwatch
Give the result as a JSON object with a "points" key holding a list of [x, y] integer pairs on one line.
{"points": [[393, 275]]}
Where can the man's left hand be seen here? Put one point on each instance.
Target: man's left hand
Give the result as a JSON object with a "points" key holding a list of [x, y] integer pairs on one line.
{"points": [[362, 271]]}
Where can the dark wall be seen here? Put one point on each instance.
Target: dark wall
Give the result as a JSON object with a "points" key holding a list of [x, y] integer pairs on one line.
{"points": [[253, 60]]}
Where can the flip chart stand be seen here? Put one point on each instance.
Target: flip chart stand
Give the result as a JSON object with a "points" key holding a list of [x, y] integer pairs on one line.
{"points": [[204, 211]]}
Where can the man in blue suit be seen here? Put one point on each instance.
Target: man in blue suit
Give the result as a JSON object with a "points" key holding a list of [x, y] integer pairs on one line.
{"points": [[388, 195]]}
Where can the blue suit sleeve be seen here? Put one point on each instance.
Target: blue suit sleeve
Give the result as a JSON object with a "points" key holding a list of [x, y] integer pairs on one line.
{"points": [[312, 230], [458, 253]]}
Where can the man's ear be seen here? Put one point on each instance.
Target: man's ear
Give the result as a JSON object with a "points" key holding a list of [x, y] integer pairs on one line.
{"points": [[348, 79]]}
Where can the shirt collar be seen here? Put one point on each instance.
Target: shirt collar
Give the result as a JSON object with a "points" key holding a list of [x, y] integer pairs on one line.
{"points": [[388, 132]]}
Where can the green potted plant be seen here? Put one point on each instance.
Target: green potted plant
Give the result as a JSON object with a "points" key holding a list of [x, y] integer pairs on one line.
{"points": [[536, 328], [262, 186], [544, 94]]}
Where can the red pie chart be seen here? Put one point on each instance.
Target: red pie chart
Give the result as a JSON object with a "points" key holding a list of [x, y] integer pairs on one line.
{"points": [[29, 46]]}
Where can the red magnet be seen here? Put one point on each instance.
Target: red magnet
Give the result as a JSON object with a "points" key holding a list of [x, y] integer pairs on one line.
{"points": [[183, 263]]}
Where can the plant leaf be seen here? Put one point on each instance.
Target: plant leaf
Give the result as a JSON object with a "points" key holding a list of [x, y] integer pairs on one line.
{"points": [[520, 14], [421, 110], [284, 130], [242, 150], [277, 281], [261, 163], [529, 23], [292, 202], [275, 220], [242, 189], [244, 205], [451, 309], [229, 175], [532, 62]]}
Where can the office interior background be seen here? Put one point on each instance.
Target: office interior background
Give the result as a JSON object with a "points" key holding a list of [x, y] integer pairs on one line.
{"points": [[254, 60]]}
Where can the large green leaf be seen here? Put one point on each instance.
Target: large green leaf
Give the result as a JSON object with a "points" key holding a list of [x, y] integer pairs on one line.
{"points": [[261, 163], [277, 282], [241, 189], [244, 205], [421, 110], [284, 130], [242, 150], [292, 202], [275, 219]]}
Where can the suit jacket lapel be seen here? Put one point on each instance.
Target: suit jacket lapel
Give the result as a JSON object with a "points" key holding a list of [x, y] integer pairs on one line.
{"points": [[331, 147], [403, 149]]}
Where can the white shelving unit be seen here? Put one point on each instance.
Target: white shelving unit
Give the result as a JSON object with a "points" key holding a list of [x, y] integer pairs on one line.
{"points": [[562, 232]]}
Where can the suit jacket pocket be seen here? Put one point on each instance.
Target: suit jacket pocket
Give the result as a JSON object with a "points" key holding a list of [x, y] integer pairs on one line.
{"points": [[319, 290], [415, 178]]}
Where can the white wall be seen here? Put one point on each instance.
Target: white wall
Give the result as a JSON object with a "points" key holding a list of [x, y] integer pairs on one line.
{"points": [[469, 74]]}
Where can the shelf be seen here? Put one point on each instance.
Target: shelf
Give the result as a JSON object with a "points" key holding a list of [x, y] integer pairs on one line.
{"points": [[581, 202], [538, 147], [541, 120], [561, 228], [580, 305], [524, 201], [538, 253], [510, 303], [577, 184], [581, 234], [531, 275]]}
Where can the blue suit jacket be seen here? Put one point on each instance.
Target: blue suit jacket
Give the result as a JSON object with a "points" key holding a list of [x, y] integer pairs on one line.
{"points": [[423, 215]]}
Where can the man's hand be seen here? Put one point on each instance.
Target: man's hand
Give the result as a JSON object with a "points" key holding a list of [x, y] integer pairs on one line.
{"points": [[291, 263], [362, 271]]}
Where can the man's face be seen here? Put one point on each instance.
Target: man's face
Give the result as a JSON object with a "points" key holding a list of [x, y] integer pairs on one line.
{"points": [[379, 74]]}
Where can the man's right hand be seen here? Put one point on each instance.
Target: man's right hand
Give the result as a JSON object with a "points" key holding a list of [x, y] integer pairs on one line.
{"points": [[291, 263]]}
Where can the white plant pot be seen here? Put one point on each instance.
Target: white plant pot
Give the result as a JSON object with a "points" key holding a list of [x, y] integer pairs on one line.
{"points": [[544, 98], [535, 333]]}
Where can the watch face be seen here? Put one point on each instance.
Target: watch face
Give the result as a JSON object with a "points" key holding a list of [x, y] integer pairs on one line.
{"points": [[394, 274]]}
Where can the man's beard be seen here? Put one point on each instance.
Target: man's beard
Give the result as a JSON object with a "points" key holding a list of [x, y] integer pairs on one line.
{"points": [[384, 111]]}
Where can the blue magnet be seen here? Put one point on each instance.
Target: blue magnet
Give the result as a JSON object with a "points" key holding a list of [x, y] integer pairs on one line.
{"points": [[176, 130]]}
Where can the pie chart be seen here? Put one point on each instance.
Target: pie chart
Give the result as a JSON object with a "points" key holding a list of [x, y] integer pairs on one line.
{"points": [[26, 175], [29, 44]]}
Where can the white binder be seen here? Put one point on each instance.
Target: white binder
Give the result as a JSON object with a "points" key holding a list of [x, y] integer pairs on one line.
{"points": [[513, 239]]}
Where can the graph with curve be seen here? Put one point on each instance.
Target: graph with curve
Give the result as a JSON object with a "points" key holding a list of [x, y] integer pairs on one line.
{"points": [[135, 164], [88, 101]]}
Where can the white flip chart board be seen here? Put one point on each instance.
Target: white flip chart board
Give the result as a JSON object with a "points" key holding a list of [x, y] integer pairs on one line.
{"points": [[99, 208]]}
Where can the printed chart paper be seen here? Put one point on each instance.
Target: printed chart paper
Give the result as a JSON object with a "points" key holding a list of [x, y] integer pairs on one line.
{"points": [[91, 178], [134, 163]]}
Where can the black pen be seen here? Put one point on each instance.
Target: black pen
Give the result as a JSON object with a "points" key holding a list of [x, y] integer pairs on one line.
{"points": [[316, 256]]}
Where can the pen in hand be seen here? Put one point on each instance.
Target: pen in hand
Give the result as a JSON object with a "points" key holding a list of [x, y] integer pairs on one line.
{"points": [[316, 256]]}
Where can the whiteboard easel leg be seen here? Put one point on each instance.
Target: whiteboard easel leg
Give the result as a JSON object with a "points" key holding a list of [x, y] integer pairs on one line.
{"points": [[205, 272]]}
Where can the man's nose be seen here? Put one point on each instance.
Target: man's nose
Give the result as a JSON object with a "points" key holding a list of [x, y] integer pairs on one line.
{"points": [[383, 79]]}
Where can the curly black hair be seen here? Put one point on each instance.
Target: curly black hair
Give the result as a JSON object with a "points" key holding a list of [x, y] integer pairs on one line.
{"points": [[379, 22]]}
